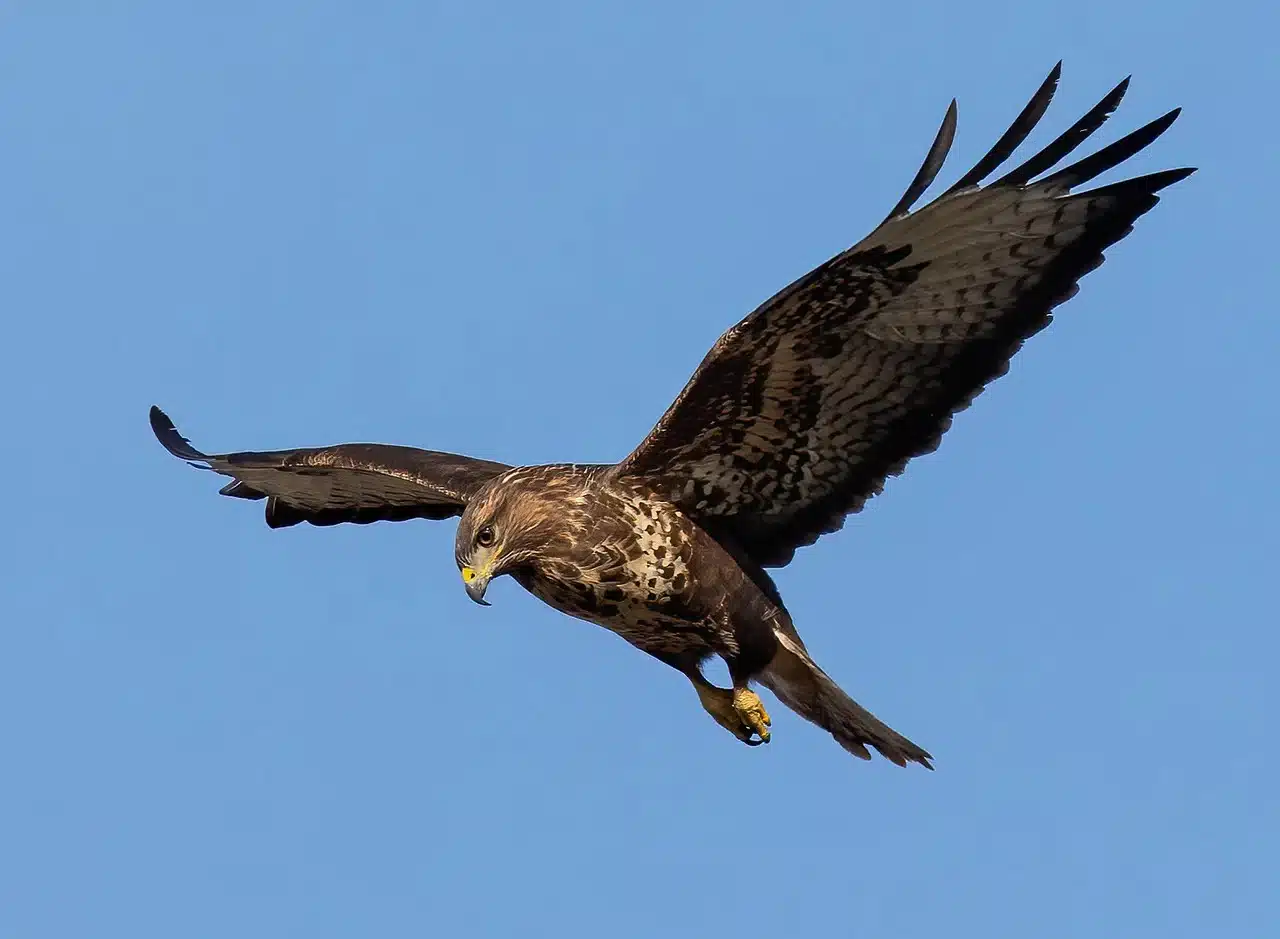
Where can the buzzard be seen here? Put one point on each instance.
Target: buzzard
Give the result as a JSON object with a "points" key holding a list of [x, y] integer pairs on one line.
{"points": [[795, 418]]}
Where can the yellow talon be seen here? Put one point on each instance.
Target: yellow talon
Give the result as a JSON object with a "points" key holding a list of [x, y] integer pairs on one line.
{"points": [[739, 711], [750, 710]]}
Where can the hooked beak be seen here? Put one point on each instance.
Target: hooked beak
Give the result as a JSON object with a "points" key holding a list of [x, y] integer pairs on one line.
{"points": [[476, 584]]}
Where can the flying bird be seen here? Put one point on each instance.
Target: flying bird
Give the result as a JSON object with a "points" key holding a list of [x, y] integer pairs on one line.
{"points": [[795, 418]]}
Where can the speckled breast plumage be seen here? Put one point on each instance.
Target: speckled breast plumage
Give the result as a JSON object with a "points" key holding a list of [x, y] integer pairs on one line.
{"points": [[631, 575]]}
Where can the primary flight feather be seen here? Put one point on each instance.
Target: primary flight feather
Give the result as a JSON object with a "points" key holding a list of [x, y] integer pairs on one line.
{"points": [[793, 420]]}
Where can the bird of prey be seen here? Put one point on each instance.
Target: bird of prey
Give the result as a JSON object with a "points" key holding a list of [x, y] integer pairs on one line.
{"points": [[795, 418]]}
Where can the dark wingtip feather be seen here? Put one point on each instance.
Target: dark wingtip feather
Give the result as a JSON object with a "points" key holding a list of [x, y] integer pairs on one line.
{"points": [[1012, 138], [933, 161], [1167, 178], [173, 441], [1113, 154], [1149, 184], [1068, 140]]}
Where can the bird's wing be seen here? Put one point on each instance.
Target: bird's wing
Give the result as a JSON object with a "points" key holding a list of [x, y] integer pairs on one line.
{"points": [[351, 482], [800, 412]]}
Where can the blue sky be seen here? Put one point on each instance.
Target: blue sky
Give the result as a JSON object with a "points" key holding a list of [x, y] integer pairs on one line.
{"points": [[512, 230]]}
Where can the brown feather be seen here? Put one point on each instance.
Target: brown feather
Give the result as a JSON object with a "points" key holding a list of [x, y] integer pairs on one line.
{"points": [[352, 482], [803, 410]]}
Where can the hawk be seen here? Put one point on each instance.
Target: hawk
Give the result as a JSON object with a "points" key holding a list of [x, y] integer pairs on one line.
{"points": [[795, 418]]}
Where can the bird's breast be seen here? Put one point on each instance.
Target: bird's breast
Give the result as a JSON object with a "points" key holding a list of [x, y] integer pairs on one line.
{"points": [[628, 571]]}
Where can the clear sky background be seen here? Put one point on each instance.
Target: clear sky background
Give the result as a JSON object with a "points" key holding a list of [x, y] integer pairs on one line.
{"points": [[512, 230]]}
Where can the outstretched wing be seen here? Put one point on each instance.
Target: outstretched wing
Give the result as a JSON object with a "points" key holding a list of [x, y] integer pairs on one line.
{"points": [[800, 412], [352, 482]]}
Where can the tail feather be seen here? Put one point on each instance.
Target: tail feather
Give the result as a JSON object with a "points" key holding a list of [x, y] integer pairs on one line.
{"points": [[802, 686]]}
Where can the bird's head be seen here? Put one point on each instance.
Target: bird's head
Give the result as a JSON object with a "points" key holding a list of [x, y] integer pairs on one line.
{"points": [[500, 532]]}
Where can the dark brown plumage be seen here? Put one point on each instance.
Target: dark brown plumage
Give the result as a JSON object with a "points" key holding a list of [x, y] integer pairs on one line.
{"points": [[793, 420]]}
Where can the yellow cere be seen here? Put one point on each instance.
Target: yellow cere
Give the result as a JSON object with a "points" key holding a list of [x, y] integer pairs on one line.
{"points": [[468, 575]]}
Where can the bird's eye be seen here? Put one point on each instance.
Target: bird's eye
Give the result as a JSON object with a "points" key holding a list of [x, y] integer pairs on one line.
{"points": [[484, 537]]}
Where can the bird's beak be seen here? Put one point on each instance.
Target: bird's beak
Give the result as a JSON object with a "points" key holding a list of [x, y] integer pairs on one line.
{"points": [[476, 585]]}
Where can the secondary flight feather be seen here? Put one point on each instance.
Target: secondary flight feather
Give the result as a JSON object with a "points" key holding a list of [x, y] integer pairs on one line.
{"points": [[795, 418]]}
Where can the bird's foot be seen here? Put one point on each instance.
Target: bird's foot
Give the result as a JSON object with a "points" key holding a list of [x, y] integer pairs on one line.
{"points": [[750, 710], [738, 711]]}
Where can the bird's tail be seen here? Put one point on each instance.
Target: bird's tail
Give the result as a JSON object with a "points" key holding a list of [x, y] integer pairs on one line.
{"points": [[809, 691]]}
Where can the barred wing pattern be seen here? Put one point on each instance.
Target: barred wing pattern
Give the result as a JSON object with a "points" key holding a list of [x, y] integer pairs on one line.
{"points": [[351, 482], [799, 413]]}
